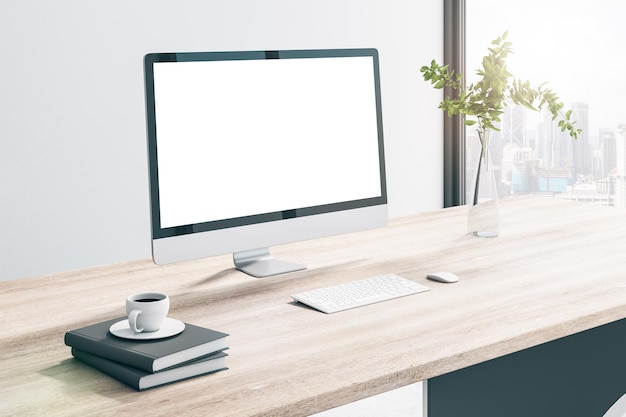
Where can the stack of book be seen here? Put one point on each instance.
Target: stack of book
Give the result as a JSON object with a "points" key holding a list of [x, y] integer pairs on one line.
{"points": [[144, 364]]}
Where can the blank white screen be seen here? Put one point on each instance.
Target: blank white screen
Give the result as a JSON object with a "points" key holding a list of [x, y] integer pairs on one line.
{"points": [[245, 137]]}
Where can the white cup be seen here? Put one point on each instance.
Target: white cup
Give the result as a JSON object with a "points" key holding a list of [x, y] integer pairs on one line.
{"points": [[147, 311]]}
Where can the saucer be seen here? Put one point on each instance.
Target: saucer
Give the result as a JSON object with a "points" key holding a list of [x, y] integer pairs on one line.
{"points": [[170, 327]]}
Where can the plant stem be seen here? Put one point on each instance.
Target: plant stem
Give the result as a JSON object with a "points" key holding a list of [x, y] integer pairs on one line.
{"points": [[480, 161]]}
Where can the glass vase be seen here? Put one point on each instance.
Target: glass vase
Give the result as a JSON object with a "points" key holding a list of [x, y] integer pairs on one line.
{"points": [[484, 215]]}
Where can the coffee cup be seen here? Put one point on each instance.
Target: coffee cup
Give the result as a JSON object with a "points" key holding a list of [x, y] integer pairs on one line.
{"points": [[147, 311]]}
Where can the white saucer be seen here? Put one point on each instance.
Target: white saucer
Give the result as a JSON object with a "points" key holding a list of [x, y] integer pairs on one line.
{"points": [[170, 327]]}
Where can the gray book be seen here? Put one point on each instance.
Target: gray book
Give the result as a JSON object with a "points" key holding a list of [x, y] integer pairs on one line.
{"points": [[148, 355], [141, 380]]}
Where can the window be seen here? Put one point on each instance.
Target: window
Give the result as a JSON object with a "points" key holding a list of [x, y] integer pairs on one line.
{"points": [[575, 46]]}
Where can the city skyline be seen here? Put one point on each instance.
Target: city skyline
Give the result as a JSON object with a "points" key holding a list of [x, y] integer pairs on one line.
{"points": [[537, 158], [575, 47]]}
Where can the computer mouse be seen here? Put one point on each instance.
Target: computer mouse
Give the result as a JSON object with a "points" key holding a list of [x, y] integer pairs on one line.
{"points": [[447, 277]]}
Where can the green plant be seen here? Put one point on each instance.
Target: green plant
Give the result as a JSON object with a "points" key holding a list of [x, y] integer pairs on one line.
{"points": [[485, 100]]}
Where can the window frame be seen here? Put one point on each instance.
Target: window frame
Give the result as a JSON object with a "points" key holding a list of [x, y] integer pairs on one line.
{"points": [[453, 127]]}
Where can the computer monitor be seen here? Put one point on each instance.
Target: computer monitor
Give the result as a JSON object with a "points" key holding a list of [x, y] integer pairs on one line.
{"points": [[249, 150]]}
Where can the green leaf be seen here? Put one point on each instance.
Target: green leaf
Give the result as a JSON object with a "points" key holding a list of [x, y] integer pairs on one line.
{"points": [[487, 98]]}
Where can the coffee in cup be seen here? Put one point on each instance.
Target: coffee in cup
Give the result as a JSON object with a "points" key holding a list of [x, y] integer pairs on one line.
{"points": [[147, 311]]}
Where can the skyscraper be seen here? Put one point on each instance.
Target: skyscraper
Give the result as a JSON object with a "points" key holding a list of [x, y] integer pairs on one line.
{"points": [[582, 150], [608, 155]]}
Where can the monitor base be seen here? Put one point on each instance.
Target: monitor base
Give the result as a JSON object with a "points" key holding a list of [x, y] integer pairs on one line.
{"points": [[260, 264]]}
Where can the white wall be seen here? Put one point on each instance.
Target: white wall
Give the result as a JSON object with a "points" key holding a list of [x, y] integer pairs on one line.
{"points": [[73, 169]]}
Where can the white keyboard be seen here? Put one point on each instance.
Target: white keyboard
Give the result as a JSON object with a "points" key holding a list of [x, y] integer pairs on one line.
{"points": [[359, 293]]}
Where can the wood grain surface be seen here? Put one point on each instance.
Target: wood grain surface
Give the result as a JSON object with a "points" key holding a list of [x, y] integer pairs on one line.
{"points": [[557, 268]]}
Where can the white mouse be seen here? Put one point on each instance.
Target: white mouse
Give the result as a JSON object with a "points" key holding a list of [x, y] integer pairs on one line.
{"points": [[447, 277]]}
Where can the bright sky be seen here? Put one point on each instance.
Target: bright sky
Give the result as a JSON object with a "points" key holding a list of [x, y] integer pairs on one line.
{"points": [[577, 46]]}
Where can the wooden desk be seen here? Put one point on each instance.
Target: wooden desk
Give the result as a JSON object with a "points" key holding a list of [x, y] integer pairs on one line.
{"points": [[556, 269]]}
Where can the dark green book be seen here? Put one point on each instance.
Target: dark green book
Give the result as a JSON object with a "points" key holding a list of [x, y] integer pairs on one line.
{"points": [[141, 380], [148, 355]]}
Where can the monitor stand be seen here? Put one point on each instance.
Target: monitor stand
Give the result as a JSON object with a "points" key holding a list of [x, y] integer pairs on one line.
{"points": [[260, 264]]}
